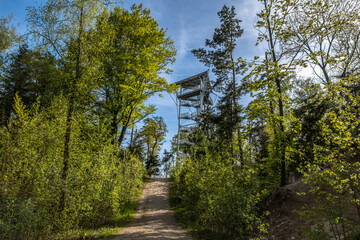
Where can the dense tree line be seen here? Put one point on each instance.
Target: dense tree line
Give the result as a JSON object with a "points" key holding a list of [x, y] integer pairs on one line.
{"points": [[68, 99], [307, 127], [66, 104]]}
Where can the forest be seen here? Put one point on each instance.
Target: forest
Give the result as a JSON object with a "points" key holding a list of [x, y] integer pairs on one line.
{"points": [[78, 82]]}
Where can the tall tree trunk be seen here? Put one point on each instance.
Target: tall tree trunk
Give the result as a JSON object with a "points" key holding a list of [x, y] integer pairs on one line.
{"points": [[241, 150], [233, 99], [124, 127], [282, 130], [66, 155], [114, 126], [280, 101], [132, 136], [70, 112]]}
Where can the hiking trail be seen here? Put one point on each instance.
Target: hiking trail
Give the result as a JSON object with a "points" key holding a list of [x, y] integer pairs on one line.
{"points": [[154, 219]]}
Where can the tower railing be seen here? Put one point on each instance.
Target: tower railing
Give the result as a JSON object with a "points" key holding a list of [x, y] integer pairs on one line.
{"points": [[193, 95]]}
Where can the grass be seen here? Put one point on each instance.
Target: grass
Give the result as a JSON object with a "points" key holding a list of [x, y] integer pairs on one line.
{"points": [[106, 231]]}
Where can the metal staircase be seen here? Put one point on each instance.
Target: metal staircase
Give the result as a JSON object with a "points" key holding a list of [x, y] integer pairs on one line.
{"points": [[192, 97]]}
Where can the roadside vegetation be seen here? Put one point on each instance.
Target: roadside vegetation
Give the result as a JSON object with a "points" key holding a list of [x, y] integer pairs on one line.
{"points": [[77, 137], [294, 128], [66, 104]]}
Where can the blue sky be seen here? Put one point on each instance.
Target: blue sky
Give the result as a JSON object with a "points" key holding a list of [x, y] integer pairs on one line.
{"points": [[188, 23]]}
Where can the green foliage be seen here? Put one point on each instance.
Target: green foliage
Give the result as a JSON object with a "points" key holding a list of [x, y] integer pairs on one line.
{"points": [[214, 195], [152, 136], [7, 39], [323, 35], [61, 171], [334, 173], [219, 54], [268, 79], [167, 162], [62, 167], [308, 127], [99, 183], [106, 231], [133, 57], [30, 74], [7, 35]]}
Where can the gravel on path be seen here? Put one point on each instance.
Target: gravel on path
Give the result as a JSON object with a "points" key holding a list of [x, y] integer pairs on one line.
{"points": [[154, 219]]}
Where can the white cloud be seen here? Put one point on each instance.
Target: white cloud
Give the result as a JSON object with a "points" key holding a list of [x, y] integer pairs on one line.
{"points": [[183, 41], [189, 23]]}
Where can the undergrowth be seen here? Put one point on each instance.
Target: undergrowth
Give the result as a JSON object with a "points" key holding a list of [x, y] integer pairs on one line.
{"points": [[105, 231]]}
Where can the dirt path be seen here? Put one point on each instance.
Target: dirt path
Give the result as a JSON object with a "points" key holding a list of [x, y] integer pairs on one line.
{"points": [[154, 219]]}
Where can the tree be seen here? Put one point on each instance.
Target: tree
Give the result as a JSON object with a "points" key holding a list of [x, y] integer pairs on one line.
{"points": [[167, 161], [100, 183], [333, 174], [7, 37], [30, 75], [135, 55], [220, 56], [17, 80], [302, 34], [325, 35], [152, 136], [63, 26], [258, 134], [269, 78], [311, 106]]}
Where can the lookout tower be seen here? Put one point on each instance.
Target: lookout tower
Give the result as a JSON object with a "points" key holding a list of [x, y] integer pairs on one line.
{"points": [[192, 97]]}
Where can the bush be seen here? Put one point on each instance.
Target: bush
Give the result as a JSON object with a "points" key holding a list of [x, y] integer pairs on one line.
{"points": [[218, 196], [99, 185]]}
